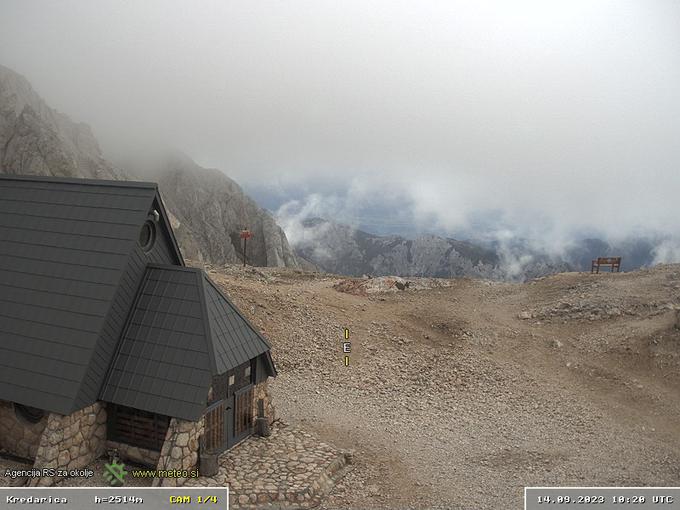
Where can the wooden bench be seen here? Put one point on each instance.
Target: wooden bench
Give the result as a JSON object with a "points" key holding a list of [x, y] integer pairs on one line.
{"points": [[614, 264]]}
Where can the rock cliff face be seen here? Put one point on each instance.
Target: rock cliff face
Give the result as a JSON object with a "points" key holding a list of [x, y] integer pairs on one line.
{"points": [[209, 212], [37, 140], [208, 209]]}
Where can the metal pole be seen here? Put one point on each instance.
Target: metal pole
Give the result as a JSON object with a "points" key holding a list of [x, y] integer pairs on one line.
{"points": [[245, 240]]}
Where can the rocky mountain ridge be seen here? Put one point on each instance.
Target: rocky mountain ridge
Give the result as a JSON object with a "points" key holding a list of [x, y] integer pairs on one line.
{"points": [[209, 211], [207, 208], [38, 140], [345, 250], [342, 249]]}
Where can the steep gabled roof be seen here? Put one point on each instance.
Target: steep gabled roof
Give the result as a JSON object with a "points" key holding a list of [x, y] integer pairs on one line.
{"points": [[234, 339], [181, 331], [64, 246]]}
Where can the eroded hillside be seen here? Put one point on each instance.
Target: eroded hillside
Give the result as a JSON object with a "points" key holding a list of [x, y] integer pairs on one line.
{"points": [[460, 395]]}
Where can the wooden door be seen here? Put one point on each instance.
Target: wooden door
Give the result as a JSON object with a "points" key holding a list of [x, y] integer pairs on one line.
{"points": [[214, 435], [241, 417]]}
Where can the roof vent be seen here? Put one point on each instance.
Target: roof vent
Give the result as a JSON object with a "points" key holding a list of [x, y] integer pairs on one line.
{"points": [[147, 235]]}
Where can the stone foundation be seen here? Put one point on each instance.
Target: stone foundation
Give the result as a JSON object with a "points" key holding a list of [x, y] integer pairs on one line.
{"points": [[262, 392], [18, 436], [134, 454], [71, 442], [179, 451]]}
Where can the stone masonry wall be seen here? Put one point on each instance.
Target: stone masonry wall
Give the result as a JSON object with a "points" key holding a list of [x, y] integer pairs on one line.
{"points": [[179, 451], [262, 392], [71, 442], [18, 436], [135, 454]]}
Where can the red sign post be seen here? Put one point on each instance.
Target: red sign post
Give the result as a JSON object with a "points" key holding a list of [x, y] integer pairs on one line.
{"points": [[245, 235]]}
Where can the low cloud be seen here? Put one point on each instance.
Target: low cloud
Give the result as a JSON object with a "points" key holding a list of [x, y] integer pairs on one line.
{"points": [[555, 121], [667, 251], [292, 216]]}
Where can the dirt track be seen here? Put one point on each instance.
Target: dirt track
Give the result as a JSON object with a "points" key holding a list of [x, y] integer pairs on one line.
{"points": [[459, 396]]}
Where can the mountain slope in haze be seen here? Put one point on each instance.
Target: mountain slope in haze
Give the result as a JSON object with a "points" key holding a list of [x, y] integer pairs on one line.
{"points": [[341, 249], [635, 252], [37, 140], [209, 212], [206, 206]]}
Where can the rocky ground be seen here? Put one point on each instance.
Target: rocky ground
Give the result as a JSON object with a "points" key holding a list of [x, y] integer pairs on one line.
{"points": [[461, 392], [459, 395]]}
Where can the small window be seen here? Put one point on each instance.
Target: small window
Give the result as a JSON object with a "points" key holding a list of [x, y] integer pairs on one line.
{"points": [[246, 372], [147, 235], [232, 380], [29, 414], [135, 427], [220, 387]]}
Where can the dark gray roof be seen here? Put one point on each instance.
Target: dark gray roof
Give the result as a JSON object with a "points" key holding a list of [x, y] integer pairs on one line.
{"points": [[163, 365], [86, 314], [65, 245], [181, 332], [234, 339]]}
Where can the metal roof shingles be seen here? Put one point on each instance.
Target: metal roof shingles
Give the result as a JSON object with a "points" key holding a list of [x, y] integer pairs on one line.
{"points": [[164, 349], [181, 327], [234, 340], [63, 246]]}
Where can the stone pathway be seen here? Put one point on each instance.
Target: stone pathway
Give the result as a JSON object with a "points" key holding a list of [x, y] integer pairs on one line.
{"points": [[288, 470]]}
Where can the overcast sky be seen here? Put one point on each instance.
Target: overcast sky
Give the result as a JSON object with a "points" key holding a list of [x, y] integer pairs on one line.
{"points": [[550, 113]]}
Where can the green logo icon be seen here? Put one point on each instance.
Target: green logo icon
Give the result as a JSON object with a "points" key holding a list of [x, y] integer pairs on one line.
{"points": [[114, 473]]}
